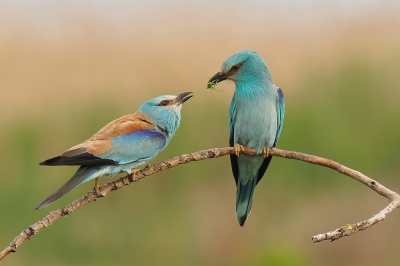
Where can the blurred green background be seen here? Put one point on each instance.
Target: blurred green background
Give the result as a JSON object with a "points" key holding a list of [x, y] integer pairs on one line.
{"points": [[68, 68]]}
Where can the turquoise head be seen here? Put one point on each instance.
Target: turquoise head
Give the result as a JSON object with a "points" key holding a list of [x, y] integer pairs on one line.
{"points": [[243, 67], [165, 111]]}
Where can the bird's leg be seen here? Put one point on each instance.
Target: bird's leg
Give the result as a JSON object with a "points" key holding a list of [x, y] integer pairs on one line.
{"points": [[266, 152], [132, 173], [96, 187], [238, 149]]}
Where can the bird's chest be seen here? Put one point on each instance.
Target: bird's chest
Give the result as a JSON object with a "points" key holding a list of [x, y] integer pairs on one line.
{"points": [[255, 122]]}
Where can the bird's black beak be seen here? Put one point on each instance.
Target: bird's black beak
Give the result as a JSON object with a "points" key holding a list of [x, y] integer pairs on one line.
{"points": [[183, 97], [220, 76]]}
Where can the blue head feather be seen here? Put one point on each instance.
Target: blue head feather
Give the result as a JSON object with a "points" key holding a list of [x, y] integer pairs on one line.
{"points": [[252, 68], [166, 117]]}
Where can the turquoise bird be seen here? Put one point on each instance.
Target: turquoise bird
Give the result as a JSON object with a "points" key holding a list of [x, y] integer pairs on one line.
{"points": [[123, 144], [255, 120]]}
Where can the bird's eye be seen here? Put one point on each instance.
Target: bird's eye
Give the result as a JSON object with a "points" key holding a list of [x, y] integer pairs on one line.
{"points": [[236, 67], [164, 103]]}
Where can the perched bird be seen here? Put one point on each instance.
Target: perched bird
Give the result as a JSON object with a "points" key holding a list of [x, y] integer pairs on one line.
{"points": [[255, 120], [123, 144]]}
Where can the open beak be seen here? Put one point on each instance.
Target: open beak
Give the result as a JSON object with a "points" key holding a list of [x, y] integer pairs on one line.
{"points": [[218, 78], [183, 97]]}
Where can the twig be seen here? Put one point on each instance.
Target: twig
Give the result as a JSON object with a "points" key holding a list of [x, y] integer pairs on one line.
{"points": [[347, 230]]}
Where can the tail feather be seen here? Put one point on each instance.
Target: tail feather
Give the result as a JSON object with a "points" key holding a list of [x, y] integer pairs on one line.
{"points": [[244, 200], [78, 178]]}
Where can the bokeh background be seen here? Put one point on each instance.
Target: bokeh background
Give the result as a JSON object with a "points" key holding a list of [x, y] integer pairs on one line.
{"points": [[69, 67]]}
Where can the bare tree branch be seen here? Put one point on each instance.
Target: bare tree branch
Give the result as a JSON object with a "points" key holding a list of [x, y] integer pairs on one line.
{"points": [[346, 230]]}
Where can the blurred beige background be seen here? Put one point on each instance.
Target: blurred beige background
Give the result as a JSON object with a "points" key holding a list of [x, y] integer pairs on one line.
{"points": [[69, 67]]}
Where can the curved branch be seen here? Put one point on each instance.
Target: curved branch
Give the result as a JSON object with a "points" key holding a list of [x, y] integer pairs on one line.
{"points": [[347, 230]]}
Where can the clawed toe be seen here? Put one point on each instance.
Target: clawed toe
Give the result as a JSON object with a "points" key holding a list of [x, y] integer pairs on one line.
{"points": [[238, 149], [266, 152], [96, 187]]}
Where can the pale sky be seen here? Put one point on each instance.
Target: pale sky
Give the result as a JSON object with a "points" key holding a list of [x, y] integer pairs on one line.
{"points": [[40, 12]]}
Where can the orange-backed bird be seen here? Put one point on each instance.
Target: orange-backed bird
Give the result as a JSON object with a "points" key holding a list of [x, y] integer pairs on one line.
{"points": [[123, 144]]}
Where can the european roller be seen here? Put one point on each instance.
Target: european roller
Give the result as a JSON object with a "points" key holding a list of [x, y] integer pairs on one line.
{"points": [[123, 144], [255, 120]]}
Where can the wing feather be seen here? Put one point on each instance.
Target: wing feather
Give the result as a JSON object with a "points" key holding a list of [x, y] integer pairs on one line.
{"points": [[136, 146], [280, 111], [124, 125], [233, 157], [89, 152]]}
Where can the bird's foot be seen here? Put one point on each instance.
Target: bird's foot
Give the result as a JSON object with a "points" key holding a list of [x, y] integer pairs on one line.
{"points": [[266, 152], [132, 173], [238, 149], [96, 187]]}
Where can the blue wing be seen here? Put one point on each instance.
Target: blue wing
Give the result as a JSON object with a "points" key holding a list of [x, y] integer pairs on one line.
{"points": [[232, 116], [234, 163], [136, 146], [280, 111]]}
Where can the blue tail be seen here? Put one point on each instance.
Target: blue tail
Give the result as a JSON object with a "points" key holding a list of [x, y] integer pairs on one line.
{"points": [[244, 199], [83, 174]]}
